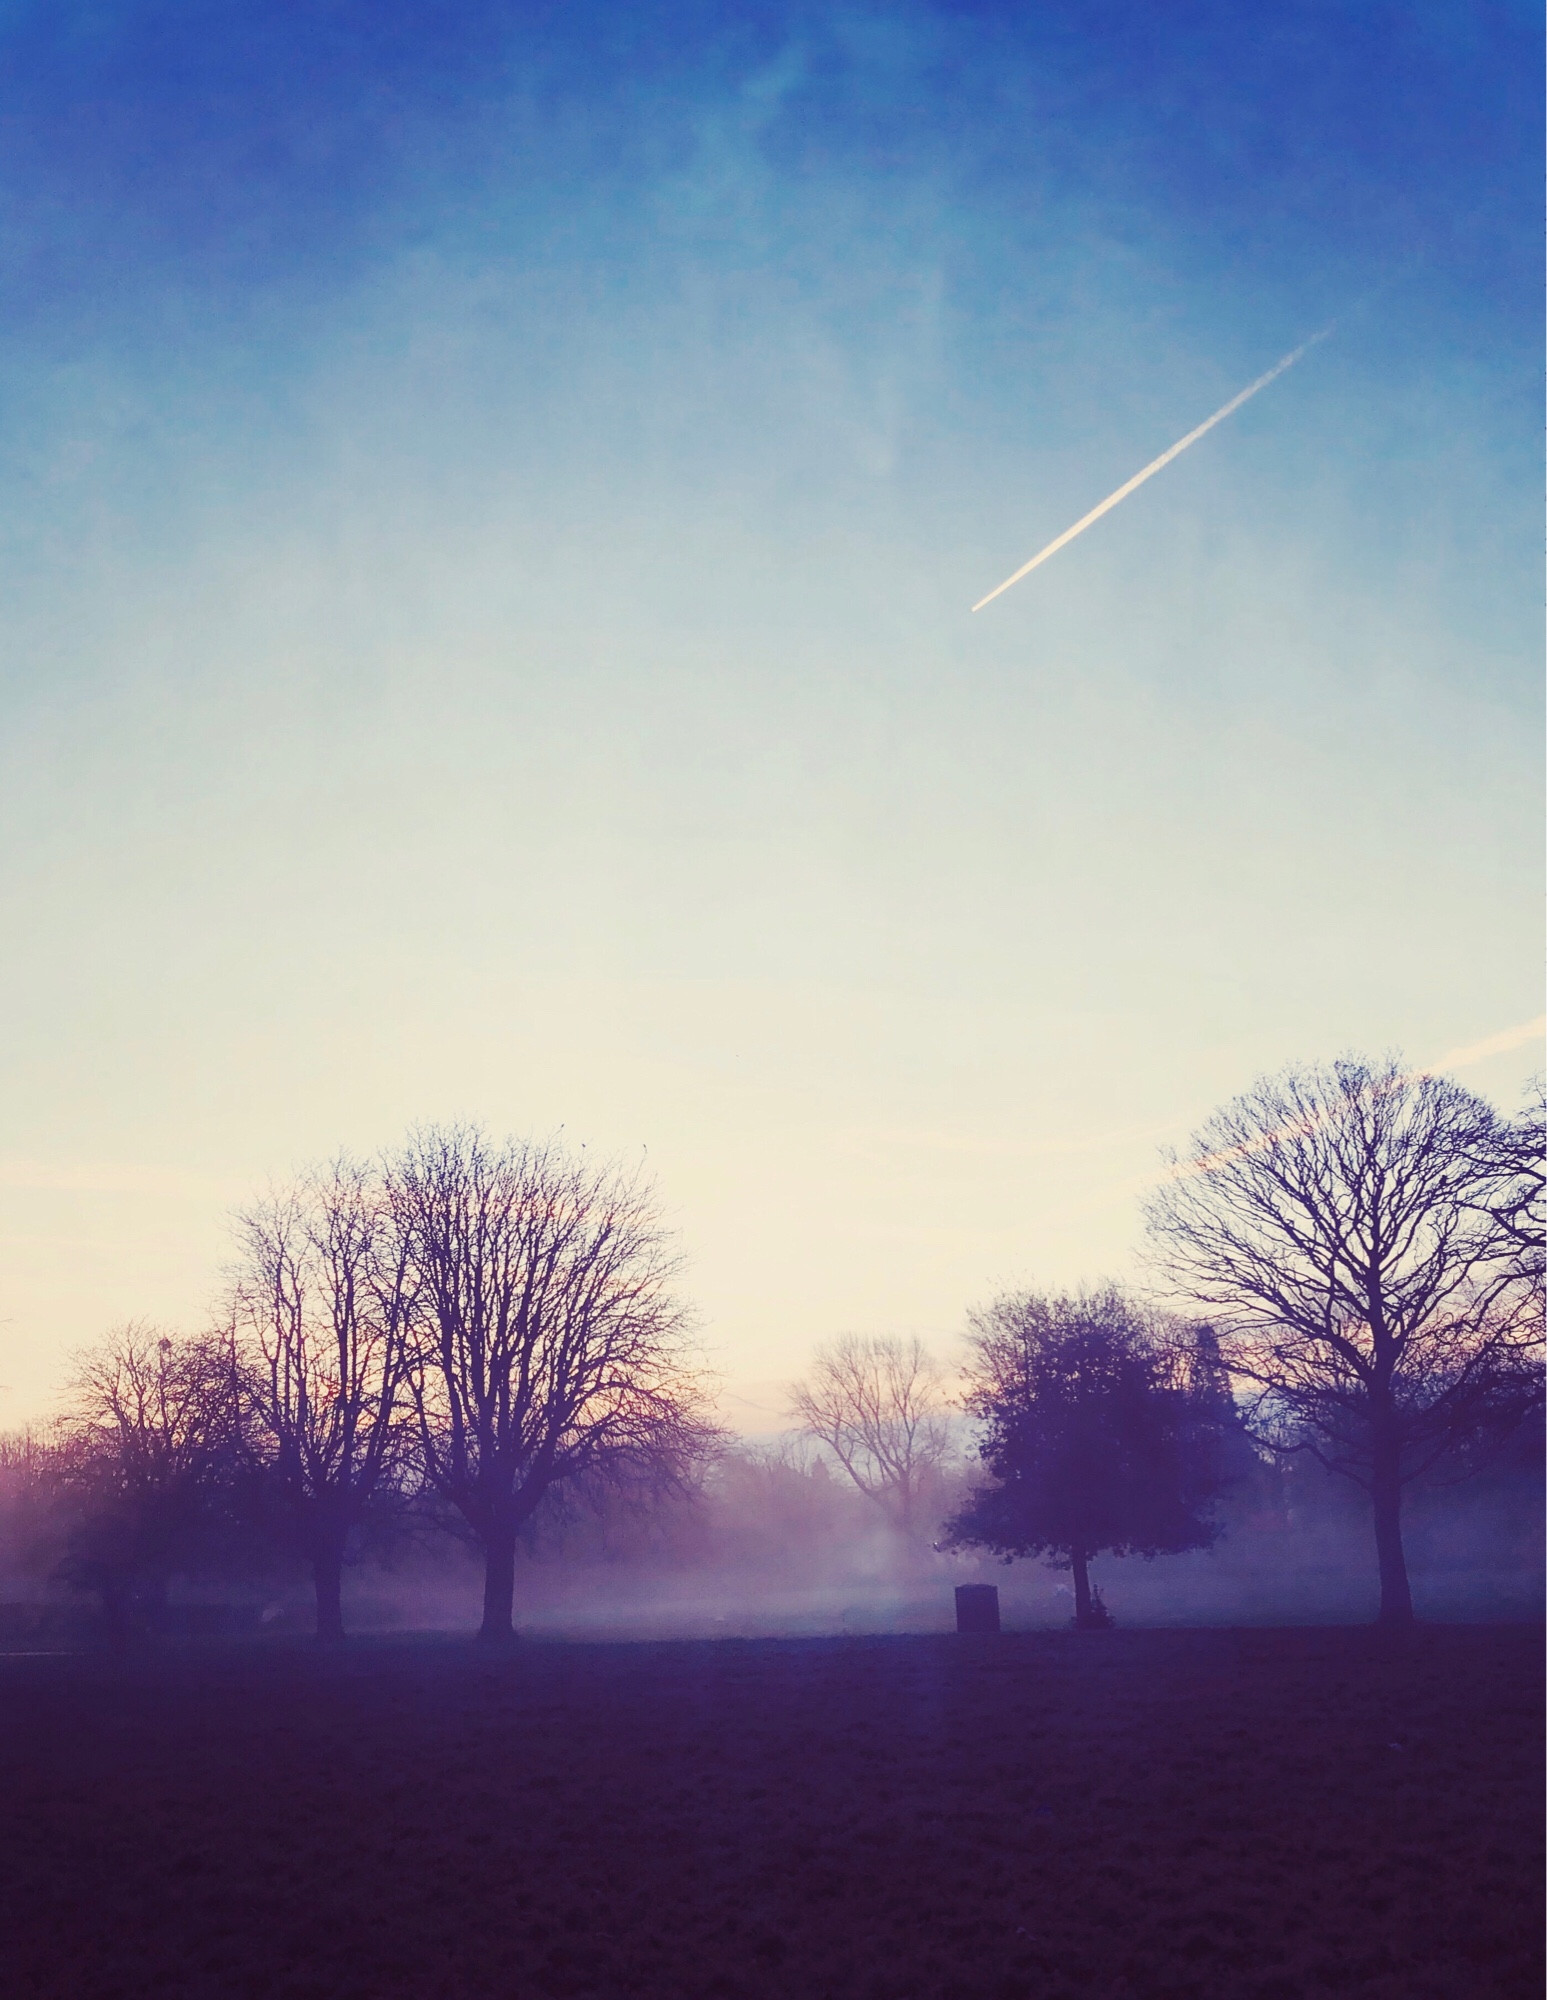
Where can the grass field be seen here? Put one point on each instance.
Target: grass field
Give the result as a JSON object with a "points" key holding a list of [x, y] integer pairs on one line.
{"points": [[1217, 1813]]}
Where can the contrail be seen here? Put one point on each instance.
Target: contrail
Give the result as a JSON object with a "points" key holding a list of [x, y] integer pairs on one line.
{"points": [[1493, 1045], [1457, 1058], [1154, 466]]}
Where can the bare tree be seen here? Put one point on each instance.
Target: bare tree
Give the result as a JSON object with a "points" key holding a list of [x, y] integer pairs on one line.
{"points": [[1514, 1163], [142, 1458], [879, 1407], [550, 1348], [31, 1527], [1355, 1235], [319, 1310]]}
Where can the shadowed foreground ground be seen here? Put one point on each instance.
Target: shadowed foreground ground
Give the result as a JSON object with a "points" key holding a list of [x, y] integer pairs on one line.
{"points": [[1254, 1813]]}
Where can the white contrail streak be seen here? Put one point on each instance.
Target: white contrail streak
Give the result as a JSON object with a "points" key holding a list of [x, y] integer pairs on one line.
{"points": [[1154, 466], [1474, 1052], [1453, 1059]]}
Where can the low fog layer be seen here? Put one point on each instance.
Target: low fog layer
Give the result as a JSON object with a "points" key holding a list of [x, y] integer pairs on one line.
{"points": [[463, 1378], [778, 1543]]}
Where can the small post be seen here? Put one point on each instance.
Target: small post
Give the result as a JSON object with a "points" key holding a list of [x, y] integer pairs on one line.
{"points": [[977, 1607]]}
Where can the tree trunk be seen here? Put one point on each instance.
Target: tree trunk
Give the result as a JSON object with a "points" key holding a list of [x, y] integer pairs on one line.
{"points": [[1396, 1599], [328, 1576], [1081, 1566], [499, 1585]]}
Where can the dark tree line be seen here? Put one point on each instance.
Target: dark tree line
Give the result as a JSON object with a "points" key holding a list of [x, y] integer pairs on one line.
{"points": [[1363, 1248], [487, 1338], [456, 1334]]}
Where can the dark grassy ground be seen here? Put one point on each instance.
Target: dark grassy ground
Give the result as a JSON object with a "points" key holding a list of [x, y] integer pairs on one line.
{"points": [[1220, 1813]]}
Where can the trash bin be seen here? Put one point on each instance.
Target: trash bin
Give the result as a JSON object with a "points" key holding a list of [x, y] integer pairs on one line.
{"points": [[977, 1607]]}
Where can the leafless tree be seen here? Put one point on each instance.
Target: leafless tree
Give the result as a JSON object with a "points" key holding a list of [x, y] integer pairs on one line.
{"points": [[142, 1457], [318, 1309], [550, 1347], [879, 1406], [1514, 1163], [30, 1527], [1356, 1234]]}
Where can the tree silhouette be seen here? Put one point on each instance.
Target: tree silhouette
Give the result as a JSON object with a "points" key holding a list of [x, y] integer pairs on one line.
{"points": [[548, 1346], [319, 1311], [1367, 1243], [878, 1406], [1101, 1432], [142, 1462]]}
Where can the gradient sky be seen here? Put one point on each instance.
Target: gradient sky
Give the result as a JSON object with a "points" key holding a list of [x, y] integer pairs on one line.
{"points": [[490, 500]]}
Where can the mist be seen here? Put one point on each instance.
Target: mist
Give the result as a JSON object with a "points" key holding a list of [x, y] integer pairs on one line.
{"points": [[776, 1543], [777, 1547]]}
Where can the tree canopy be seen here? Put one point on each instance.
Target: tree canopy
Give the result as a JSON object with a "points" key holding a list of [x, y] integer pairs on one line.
{"points": [[548, 1346], [1101, 1432]]}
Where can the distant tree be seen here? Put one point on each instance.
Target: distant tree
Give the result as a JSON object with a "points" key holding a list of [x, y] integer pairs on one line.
{"points": [[142, 1463], [1245, 1467], [1366, 1242], [1101, 1431], [879, 1407], [30, 1523], [775, 1510], [319, 1309], [549, 1347]]}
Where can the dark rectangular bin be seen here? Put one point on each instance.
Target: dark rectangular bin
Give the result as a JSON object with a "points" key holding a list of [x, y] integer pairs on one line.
{"points": [[977, 1607]]}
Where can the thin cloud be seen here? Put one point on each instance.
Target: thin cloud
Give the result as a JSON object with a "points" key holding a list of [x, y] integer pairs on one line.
{"points": [[102, 1177], [1492, 1045], [875, 1142], [1453, 1059]]}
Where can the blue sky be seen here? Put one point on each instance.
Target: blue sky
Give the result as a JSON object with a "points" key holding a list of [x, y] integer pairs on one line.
{"points": [[490, 501]]}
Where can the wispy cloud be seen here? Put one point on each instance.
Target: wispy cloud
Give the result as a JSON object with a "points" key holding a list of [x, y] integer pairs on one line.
{"points": [[112, 1177], [1492, 1045], [873, 1140], [1462, 1057]]}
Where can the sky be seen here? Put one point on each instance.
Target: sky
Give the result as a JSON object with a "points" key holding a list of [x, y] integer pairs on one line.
{"points": [[490, 501]]}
